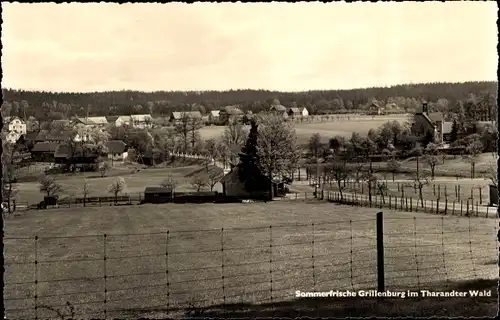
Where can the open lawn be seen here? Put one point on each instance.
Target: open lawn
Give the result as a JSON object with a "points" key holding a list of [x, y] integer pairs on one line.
{"points": [[148, 269], [327, 130]]}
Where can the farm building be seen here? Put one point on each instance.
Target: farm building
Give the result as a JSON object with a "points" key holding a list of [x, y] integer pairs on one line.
{"points": [[46, 136], [213, 116], [297, 112], [117, 150], [72, 154], [178, 117], [230, 114], [141, 121], [92, 121], [157, 195], [43, 151], [428, 123]]}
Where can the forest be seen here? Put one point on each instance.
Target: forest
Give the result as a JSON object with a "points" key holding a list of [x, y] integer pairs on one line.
{"points": [[408, 98]]}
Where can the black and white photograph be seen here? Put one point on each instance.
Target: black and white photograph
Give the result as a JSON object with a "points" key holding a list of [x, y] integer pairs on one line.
{"points": [[249, 160]]}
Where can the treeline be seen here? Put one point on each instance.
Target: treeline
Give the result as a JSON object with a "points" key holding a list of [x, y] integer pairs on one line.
{"points": [[162, 103]]}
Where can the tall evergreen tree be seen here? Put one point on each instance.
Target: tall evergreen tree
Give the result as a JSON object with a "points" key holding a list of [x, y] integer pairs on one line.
{"points": [[249, 172], [454, 131]]}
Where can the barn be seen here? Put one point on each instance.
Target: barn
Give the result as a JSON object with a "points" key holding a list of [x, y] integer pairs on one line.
{"points": [[157, 195]]}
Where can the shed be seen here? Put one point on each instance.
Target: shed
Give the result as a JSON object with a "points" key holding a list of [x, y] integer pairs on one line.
{"points": [[157, 195], [493, 195]]}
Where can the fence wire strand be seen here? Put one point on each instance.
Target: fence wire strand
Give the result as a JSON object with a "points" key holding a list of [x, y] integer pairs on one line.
{"points": [[285, 262]]}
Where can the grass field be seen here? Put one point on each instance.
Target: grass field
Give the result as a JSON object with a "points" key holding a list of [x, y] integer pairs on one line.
{"points": [[419, 250], [137, 181], [327, 130]]}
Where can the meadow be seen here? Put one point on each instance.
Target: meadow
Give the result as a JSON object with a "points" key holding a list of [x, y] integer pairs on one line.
{"points": [[327, 129], [136, 177], [163, 258]]}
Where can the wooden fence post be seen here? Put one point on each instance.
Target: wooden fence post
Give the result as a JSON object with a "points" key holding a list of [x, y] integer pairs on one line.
{"points": [[453, 211], [380, 253]]}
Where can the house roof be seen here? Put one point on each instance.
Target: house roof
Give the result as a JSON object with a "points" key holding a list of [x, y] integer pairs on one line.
{"points": [[63, 151], [116, 146], [435, 116], [141, 117], [10, 119], [45, 147], [279, 108], [230, 176], [92, 120], [112, 118], [295, 110], [190, 114], [447, 126], [157, 190], [232, 110], [47, 136], [214, 113]]}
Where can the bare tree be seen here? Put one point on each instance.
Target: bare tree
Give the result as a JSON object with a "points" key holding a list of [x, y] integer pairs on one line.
{"points": [[199, 182], [432, 156], [394, 166], [277, 150], [182, 128], [169, 183], [234, 138], [195, 125], [339, 172], [117, 187], [104, 167], [86, 192], [10, 159], [492, 174], [472, 151], [49, 186], [382, 189], [420, 179]]}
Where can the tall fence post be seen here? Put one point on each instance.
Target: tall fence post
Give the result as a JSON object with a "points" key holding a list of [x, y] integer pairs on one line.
{"points": [[105, 277], [380, 252]]}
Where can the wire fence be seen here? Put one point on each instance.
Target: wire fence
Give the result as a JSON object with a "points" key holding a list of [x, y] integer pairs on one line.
{"points": [[167, 273], [408, 204]]}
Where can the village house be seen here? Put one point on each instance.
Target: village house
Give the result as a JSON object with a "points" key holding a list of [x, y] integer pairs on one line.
{"points": [[12, 137], [426, 122], [374, 108], [93, 122], [177, 117], [15, 124], [117, 150], [231, 114], [295, 112], [214, 116], [141, 121], [279, 110]]}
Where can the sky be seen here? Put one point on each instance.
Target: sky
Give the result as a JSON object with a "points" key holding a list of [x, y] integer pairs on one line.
{"points": [[220, 46]]}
